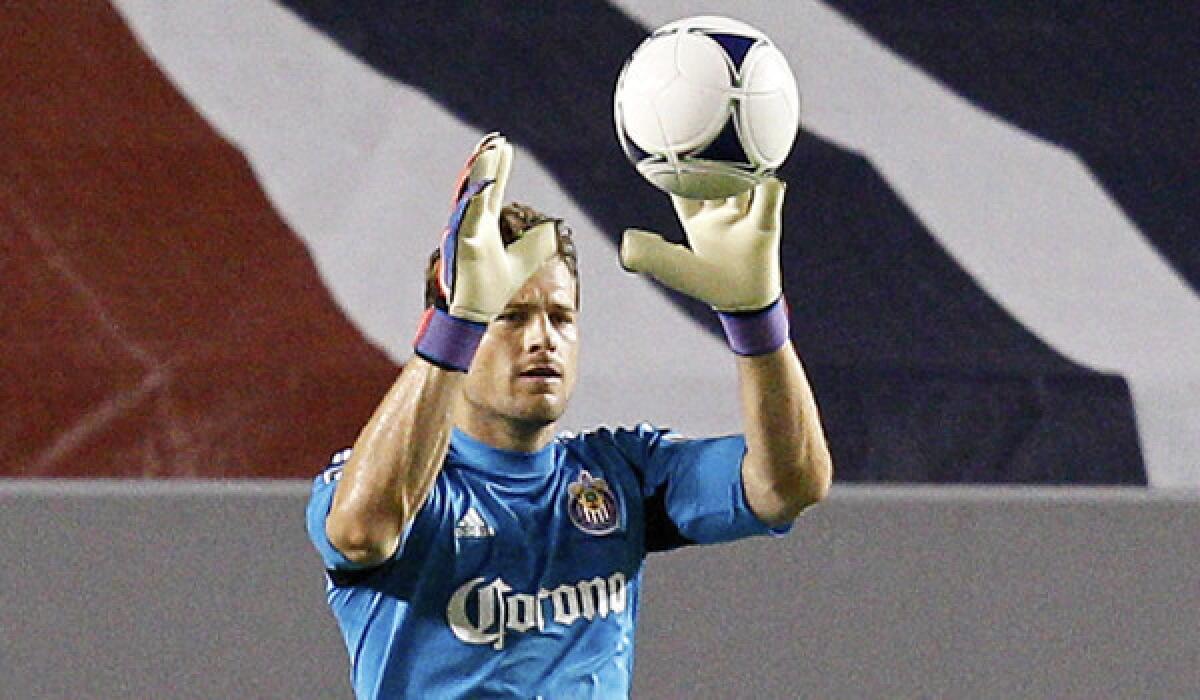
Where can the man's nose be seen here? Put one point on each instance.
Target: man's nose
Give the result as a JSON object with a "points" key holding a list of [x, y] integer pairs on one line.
{"points": [[540, 334]]}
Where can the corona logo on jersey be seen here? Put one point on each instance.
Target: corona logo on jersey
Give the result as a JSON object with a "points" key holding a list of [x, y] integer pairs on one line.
{"points": [[499, 610], [591, 505]]}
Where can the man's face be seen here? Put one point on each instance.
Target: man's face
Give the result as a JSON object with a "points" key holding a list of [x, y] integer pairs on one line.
{"points": [[525, 367]]}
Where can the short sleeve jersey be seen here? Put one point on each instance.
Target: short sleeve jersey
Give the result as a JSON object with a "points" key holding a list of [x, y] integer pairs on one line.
{"points": [[518, 577]]}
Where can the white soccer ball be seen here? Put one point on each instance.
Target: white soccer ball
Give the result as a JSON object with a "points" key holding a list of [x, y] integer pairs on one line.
{"points": [[706, 107]]}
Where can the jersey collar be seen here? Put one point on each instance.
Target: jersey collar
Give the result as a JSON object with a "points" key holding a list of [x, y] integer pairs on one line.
{"points": [[507, 463]]}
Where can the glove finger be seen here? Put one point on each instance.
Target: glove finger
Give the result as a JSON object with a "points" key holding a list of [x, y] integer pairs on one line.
{"points": [[452, 235], [486, 163], [492, 159], [529, 252], [488, 140], [635, 247], [468, 204], [670, 263], [503, 168], [464, 175], [471, 229], [767, 205]]}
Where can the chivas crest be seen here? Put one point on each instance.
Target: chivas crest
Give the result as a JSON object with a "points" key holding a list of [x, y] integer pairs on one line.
{"points": [[591, 505]]}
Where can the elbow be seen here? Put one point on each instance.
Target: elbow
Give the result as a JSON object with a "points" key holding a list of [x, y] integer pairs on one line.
{"points": [[814, 493], [780, 494], [804, 498], [358, 539], [819, 494], [822, 479], [811, 487]]}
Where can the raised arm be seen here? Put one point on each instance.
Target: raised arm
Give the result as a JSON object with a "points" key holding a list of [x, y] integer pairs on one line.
{"points": [[733, 265], [394, 463], [787, 466], [400, 452]]}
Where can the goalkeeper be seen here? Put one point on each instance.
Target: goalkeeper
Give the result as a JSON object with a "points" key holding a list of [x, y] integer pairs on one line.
{"points": [[471, 552]]}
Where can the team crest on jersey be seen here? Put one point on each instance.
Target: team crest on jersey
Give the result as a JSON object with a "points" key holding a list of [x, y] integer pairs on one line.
{"points": [[591, 505]]}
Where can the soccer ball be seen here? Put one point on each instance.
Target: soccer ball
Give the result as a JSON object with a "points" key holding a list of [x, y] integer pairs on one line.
{"points": [[706, 107]]}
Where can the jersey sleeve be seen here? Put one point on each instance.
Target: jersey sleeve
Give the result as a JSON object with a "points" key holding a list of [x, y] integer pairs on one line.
{"points": [[320, 500], [694, 487]]}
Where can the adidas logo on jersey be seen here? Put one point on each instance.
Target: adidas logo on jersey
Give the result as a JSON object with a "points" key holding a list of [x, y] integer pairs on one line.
{"points": [[472, 525]]}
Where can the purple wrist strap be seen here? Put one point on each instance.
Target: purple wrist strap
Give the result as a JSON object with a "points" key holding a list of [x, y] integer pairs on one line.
{"points": [[756, 332], [446, 341]]}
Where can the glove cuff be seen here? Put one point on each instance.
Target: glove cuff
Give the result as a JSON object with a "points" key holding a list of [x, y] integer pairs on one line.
{"points": [[446, 341], [756, 332]]}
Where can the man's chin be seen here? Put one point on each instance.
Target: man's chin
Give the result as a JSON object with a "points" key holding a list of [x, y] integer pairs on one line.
{"points": [[544, 410]]}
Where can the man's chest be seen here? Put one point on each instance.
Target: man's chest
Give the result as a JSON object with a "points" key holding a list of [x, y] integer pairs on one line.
{"points": [[573, 526], [527, 560]]}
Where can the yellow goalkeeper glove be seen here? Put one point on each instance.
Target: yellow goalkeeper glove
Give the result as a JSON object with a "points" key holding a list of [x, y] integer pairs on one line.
{"points": [[477, 274], [731, 262]]}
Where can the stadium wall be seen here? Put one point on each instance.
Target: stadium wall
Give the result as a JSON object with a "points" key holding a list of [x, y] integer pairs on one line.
{"points": [[210, 590]]}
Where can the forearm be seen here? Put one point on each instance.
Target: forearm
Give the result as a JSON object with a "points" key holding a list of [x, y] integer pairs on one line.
{"points": [[395, 461], [787, 466], [731, 263]]}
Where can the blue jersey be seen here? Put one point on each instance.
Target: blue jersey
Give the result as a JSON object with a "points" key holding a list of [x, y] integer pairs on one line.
{"points": [[518, 577]]}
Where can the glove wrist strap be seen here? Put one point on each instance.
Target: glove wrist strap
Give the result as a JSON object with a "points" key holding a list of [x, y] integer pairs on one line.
{"points": [[446, 341], [756, 332]]}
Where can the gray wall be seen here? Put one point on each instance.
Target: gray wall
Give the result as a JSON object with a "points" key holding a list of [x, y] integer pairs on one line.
{"points": [[209, 590]]}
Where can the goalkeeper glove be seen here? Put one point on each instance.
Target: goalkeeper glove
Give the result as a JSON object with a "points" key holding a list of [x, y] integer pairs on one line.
{"points": [[477, 274], [732, 263]]}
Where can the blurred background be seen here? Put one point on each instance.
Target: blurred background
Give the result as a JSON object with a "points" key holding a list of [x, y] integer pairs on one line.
{"points": [[214, 219]]}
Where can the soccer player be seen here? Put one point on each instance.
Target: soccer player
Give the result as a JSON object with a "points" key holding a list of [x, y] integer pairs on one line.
{"points": [[473, 553]]}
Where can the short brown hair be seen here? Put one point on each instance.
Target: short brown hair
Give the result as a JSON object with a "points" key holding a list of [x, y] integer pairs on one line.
{"points": [[515, 219]]}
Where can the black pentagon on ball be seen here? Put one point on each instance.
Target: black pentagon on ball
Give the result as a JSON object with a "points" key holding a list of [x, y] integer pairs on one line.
{"points": [[727, 146], [735, 46]]}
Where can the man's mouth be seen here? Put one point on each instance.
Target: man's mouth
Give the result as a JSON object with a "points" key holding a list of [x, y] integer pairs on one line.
{"points": [[542, 373]]}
